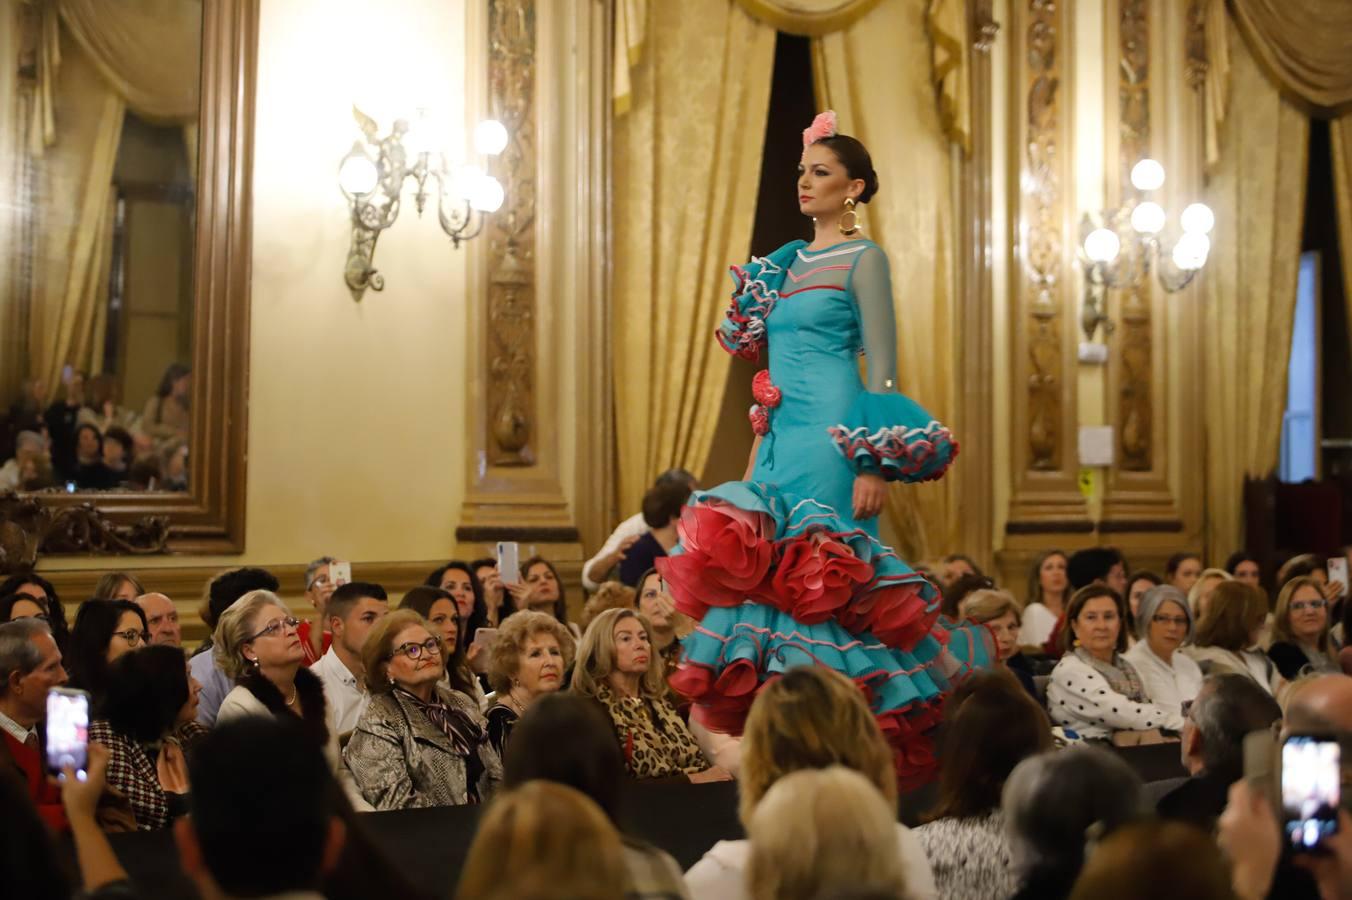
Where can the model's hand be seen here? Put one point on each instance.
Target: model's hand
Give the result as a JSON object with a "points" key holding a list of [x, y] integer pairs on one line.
{"points": [[870, 493]]}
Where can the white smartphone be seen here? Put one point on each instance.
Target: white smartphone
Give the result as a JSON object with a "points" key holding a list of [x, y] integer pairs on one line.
{"points": [[1311, 790], [340, 573], [1338, 571], [509, 562], [67, 731], [485, 637]]}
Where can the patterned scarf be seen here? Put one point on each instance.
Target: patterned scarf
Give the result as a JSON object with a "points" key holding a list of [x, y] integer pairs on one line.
{"points": [[462, 731], [1120, 675]]}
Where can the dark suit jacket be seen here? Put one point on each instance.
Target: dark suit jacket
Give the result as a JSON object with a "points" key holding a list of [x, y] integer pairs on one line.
{"points": [[1199, 800]]}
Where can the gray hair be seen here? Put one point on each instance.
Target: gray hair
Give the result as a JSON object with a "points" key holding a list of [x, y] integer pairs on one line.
{"points": [[1229, 707], [29, 440], [18, 653], [1150, 603], [313, 569], [235, 629], [1052, 800]]}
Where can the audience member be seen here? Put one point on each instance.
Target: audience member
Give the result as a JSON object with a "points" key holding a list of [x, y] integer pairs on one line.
{"points": [[1171, 678], [105, 411], [104, 630], [1200, 592], [955, 566], [167, 414], [1048, 593], [1094, 690], [662, 507], [485, 571], [1243, 566], [319, 587], [1227, 632], [990, 726], [1137, 584], [569, 846], [541, 589], [222, 591], [161, 619], [457, 579], [118, 449], [257, 643], [999, 611], [1320, 705], [173, 466], [61, 419], [1098, 565], [29, 446], [610, 595], [88, 472], [30, 665], [1345, 628], [612, 553], [418, 744], [147, 722], [809, 718], [617, 666], [34, 585], [22, 606], [352, 613], [264, 813], [955, 591], [529, 659], [668, 625], [118, 586], [1313, 566], [1300, 630], [1182, 570], [819, 829], [566, 738], [1050, 801], [1227, 709], [440, 611], [1161, 860]]}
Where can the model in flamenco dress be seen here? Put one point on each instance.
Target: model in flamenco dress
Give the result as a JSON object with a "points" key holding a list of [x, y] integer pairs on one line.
{"points": [[785, 568]]}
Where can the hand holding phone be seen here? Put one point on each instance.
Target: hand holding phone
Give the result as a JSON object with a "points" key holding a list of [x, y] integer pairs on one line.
{"points": [[485, 637], [1337, 569], [340, 573], [67, 730]]}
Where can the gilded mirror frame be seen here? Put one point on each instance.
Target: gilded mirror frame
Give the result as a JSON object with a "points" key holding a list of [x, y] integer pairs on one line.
{"points": [[208, 518]]}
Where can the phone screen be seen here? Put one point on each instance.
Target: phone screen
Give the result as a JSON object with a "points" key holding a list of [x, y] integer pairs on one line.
{"points": [[1311, 789], [67, 731], [485, 636], [509, 562], [340, 573], [1337, 570]]}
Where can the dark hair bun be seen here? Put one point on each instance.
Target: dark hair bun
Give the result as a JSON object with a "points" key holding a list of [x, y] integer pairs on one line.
{"points": [[858, 164]]}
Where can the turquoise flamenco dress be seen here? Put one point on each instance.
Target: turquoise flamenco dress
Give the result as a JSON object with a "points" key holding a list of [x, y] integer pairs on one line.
{"points": [[774, 569]]}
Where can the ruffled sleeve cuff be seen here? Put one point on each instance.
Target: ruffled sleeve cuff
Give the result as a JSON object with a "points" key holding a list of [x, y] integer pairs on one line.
{"points": [[892, 436]]}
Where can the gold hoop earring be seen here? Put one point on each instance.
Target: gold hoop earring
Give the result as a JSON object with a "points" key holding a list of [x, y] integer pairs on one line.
{"points": [[853, 216]]}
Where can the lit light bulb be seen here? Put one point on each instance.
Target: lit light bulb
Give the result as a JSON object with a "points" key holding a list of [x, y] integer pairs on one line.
{"points": [[1147, 175], [357, 175], [488, 194], [1148, 218], [1191, 251], [1102, 245], [1198, 219], [463, 182], [490, 137]]}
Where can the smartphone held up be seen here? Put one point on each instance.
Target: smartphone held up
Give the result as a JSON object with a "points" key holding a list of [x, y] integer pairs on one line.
{"points": [[1311, 788], [67, 732]]}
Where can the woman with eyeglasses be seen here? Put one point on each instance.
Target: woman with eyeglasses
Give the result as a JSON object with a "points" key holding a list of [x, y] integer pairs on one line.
{"points": [[1300, 630], [104, 630], [257, 644], [1163, 625], [419, 743]]}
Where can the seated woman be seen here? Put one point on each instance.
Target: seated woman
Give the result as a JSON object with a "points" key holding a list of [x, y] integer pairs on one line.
{"points": [[990, 726], [22, 606], [442, 612], [147, 720], [34, 585], [257, 644], [1227, 634], [529, 659], [103, 631], [608, 595], [822, 830], [1093, 690], [541, 589], [617, 667], [662, 506], [1300, 630], [1048, 594], [999, 611], [1171, 678], [668, 625], [566, 738], [457, 579], [809, 718], [418, 744], [1137, 584], [1200, 592]]}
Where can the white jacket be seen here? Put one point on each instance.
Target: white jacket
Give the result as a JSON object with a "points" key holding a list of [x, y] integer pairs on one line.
{"points": [[1079, 698]]}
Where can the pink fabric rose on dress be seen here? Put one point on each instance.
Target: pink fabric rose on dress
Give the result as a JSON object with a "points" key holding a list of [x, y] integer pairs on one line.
{"points": [[816, 576], [727, 553]]}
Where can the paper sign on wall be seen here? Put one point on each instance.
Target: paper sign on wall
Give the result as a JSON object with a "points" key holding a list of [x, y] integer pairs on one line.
{"points": [[1096, 445]]}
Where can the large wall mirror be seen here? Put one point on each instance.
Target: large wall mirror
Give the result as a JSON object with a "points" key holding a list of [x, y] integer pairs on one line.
{"points": [[125, 138]]}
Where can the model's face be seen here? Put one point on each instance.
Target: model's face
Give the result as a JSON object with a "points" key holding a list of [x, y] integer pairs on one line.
{"points": [[1168, 629], [632, 647], [1097, 626], [1308, 614], [1248, 572], [1185, 576], [442, 617], [127, 636], [1006, 631], [541, 668], [458, 585], [823, 183], [1052, 574], [546, 585]]}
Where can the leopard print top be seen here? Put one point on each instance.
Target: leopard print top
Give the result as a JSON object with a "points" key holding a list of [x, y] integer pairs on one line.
{"points": [[656, 743]]}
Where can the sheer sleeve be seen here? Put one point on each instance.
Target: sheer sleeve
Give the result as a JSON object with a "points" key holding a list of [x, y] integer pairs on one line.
{"points": [[871, 283]]}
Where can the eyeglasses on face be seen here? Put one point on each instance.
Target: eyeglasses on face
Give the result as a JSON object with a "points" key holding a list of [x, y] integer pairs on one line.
{"points": [[415, 650], [1301, 605], [133, 637], [1180, 621], [276, 626]]}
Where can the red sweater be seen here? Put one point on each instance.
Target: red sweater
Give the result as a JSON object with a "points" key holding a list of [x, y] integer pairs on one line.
{"points": [[46, 796]]}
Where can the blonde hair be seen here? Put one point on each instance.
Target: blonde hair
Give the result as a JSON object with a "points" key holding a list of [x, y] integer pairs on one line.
{"points": [[596, 656], [822, 829], [988, 604], [610, 595], [379, 646], [504, 660], [1199, 587], [236, 628], [1281, 618], [572, 849], [810, 718], [1236, 610]]}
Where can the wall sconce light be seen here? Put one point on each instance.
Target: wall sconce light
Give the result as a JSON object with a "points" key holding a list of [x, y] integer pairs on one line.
{"points": [[1120, 247], [372, 177]]}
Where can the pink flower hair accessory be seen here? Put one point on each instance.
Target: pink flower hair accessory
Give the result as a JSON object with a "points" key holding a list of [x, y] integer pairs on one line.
{"points": [[824, 126]]}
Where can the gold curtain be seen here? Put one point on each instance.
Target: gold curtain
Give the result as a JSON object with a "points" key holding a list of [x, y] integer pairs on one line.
{"points": [[1340, 135], [877, 76], [809, 18], [686, 172], [1257, 191], [1303, 45], [13, 128], [631, 20]]}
